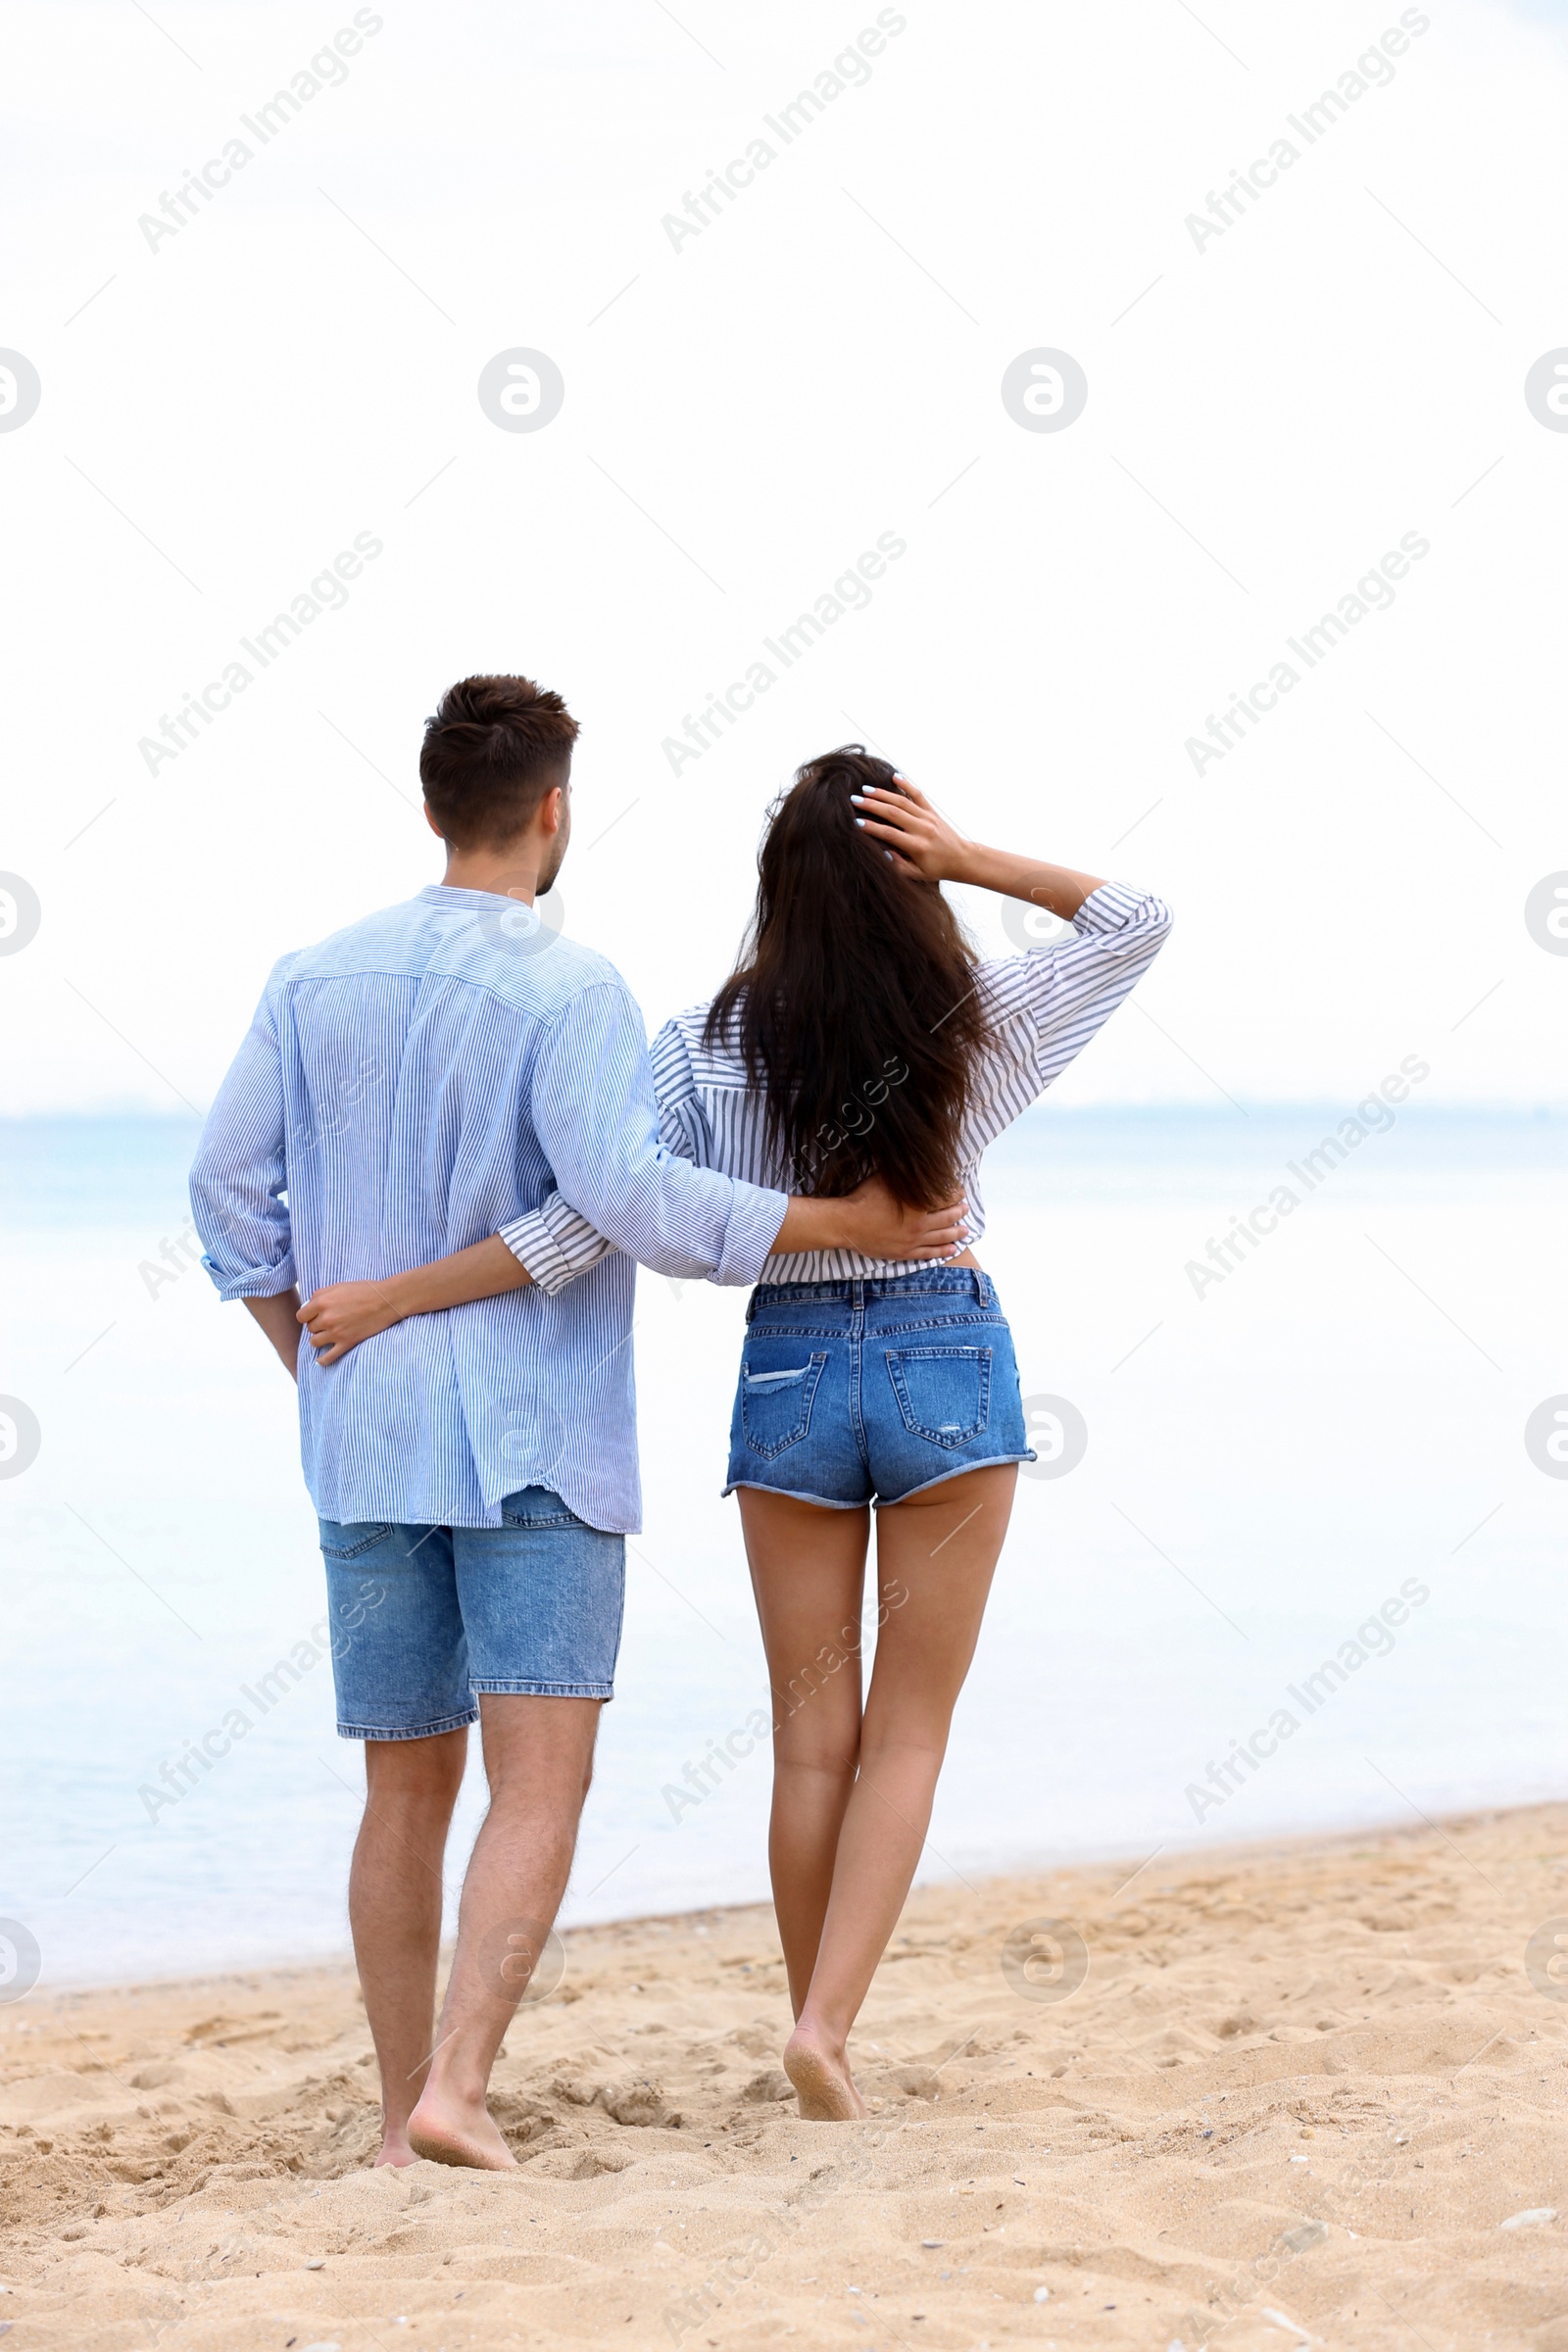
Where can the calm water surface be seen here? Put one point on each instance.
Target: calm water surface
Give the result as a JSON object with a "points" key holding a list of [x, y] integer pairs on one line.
{"points": [[1271, 1457]]}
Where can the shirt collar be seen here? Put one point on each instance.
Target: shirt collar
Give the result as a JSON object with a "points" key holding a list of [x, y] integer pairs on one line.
{"points": [[442, 894]]}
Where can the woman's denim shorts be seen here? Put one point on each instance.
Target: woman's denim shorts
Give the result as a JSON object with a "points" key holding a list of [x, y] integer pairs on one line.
{"points": [[855, 1391]]}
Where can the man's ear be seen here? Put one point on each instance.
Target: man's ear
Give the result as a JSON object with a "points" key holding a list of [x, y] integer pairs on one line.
{"points": [[429, 818], [550, 809]]}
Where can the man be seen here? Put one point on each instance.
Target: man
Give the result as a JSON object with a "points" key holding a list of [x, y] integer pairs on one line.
{"points": [[441, 1070]]}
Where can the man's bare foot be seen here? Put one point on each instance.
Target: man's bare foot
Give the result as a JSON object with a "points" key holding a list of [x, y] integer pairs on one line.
{"points": [[449, 2131], [395, 2149], [823, 2083]]}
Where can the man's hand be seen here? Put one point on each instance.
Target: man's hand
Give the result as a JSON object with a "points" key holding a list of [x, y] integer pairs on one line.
{"points": [[871, 1221], [882, 1227]]}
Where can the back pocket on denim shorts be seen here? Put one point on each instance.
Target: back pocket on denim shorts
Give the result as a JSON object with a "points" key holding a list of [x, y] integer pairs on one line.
{"points": [[346, 1542], [943, 1392], [776, 1403], [537, 1506]]}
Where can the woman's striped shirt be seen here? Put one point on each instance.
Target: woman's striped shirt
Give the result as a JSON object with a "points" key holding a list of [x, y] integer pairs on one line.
{"points": [[1043, 1008]]}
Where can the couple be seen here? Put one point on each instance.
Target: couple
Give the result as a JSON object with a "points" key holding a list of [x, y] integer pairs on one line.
{"points": [[445, 1130]]}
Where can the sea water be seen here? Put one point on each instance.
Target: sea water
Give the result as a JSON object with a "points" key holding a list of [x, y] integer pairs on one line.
{"points": [[1280, 1437]]}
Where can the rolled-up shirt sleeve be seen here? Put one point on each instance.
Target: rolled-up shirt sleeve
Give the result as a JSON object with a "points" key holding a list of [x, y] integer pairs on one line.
{"points": [[598, 1122], [683, 1125], [554, 1241], [1073, 988], [238, 1182], [554, 1244], [1045, 1007]]}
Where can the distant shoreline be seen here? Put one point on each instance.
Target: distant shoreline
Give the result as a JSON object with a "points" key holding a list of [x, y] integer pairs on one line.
{"points": [[1217, 1853]]}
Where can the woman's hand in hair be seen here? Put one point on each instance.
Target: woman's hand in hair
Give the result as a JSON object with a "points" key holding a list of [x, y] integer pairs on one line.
{"points": [[919, 838], [922, 844]]}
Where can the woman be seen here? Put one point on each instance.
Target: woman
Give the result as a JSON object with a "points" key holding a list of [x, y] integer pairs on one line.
{"points": [[860, 1036]]}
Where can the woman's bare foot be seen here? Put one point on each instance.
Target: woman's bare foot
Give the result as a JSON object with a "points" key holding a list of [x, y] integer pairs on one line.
{"points": [[823, 2083], [449, 2131], [395, 2149]]}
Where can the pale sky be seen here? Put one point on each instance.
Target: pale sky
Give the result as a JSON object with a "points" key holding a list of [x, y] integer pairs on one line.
{"points": [[1276, 402]]}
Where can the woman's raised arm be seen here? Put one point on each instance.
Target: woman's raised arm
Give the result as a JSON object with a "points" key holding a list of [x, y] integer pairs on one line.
{"points": [[921, 839]]}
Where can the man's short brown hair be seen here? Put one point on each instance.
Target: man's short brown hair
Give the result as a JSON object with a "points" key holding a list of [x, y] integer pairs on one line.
{"points": [[495, 747]]}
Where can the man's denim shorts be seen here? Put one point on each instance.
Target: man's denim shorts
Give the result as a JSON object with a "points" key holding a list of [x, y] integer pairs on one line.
{"points": [[851, 1392], [424, 1618]]}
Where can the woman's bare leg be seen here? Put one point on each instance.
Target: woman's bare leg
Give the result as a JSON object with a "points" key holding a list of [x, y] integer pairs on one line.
{"points": [[808, 1572], [936, 1555]]}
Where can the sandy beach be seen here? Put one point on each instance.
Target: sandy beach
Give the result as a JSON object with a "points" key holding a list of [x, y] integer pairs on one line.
{"points": [[1305, 2094]]}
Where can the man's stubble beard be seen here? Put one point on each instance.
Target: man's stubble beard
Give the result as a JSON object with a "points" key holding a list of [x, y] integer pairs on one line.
{"points": [[548, 875]]}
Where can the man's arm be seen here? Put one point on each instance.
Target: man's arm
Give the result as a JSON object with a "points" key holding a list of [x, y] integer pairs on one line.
{"points": [[280, 1318], [555, 1243], [597, 1122], [659, 1208], [558, 1245], [236, 1189], [339, 1315], [872, 1224]]}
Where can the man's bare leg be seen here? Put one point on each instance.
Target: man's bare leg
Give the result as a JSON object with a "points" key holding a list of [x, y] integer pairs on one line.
{"points": [[411, 1787], [538, 1755]]}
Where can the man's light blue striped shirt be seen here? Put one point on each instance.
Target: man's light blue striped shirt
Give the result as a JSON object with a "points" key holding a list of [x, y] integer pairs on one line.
{"points": [[409, 1086]]}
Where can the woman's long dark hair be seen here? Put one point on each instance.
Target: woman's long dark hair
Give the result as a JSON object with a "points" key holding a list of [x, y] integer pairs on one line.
{"points": [[853, 1004]]}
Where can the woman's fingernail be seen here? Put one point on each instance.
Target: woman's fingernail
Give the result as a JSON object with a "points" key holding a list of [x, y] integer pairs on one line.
{"points": [[859, 797], [860, 821]]}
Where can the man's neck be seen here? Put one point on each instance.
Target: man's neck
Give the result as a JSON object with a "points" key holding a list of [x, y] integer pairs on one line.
{"points": [[511, 873]]}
